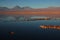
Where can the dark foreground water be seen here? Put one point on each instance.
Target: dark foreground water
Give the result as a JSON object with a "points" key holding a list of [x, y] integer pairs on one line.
{"points": [[29, 30]]}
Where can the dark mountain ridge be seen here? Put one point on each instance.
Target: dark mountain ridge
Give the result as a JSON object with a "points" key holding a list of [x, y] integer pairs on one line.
{"points": [[16, 8]]}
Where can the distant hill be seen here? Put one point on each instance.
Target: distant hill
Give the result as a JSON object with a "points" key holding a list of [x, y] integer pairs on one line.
{"points": [[26, 8], [20, 8], [3, 8], [17, 10]]}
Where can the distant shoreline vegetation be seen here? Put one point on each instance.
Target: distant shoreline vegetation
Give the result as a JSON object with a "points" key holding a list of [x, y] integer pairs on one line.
{"points": [[23, 18]]}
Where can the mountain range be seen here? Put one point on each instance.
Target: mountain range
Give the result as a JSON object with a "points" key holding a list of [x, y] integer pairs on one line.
{"points": [[17, 10], [28, 8]]}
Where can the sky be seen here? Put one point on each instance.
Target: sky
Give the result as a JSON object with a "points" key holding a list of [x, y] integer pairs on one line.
{"points": [[30, 3]]}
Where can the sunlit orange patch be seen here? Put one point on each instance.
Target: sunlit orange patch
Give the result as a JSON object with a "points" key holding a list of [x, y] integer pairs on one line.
{"points": [[50, 27]]}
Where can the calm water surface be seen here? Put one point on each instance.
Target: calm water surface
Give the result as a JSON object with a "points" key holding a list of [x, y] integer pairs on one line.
{"points": [[29, 30]]}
